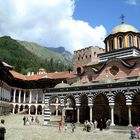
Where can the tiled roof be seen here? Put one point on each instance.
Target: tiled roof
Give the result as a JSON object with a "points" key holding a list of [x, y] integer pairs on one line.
{"points": [[18, 75], [55, 75]]}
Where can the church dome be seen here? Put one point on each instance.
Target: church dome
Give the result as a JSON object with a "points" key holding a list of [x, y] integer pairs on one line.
{"points": [[124, 28], [62, 85]]}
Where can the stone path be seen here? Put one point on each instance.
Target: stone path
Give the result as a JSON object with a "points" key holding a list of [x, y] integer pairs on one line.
{"points": [[17, 131]]}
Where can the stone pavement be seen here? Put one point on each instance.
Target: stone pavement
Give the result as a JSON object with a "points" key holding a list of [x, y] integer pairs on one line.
{"points": [[17, 131]]}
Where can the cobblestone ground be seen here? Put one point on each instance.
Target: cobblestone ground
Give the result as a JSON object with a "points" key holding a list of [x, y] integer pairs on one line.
{"points": [[17, 131]]}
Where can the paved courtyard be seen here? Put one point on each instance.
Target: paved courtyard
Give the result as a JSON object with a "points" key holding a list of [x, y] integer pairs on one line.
{"points": [[17, 131]]}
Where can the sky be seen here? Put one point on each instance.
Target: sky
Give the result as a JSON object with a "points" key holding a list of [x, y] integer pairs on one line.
{"points": [[73, 24]]}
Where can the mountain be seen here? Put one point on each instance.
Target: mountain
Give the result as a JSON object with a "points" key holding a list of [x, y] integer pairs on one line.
{"points": [[26, 56], [42, 52], [66, 54]]}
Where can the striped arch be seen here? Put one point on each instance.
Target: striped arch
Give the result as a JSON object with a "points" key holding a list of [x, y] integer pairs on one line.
{"points": [[84, 108], [69, 96], [135, 106], [115, 92], [120, 107], [83, 94], [95, 94], [133, 92], [77, 100], [52, 97]]}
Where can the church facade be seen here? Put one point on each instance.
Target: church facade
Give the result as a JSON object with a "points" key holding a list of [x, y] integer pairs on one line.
{"points": [[108, 87]]}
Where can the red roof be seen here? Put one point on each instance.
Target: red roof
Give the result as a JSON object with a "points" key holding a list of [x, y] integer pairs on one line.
{"points": [[55, 75]]}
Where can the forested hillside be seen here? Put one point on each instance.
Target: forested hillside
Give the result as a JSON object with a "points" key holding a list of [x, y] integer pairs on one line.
{"points": [[23, 59]]}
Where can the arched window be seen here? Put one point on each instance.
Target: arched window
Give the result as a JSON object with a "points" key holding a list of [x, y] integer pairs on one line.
{"points": [[130, 41], [111, 44], [138, 42], [79, 70], [120, 42]]}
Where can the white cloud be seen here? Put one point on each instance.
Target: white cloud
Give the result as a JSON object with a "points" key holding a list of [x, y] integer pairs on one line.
{"points": [[131, 2], [49, 23]]}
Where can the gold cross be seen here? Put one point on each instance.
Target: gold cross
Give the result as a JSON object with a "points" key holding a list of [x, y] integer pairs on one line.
{"points": [[122, 18]]}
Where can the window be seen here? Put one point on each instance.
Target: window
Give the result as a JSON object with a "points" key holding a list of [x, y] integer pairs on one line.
{"points": [[114, 70], [130, 41], [111, 45], [78, 70], [138, 42], [120, 42]]}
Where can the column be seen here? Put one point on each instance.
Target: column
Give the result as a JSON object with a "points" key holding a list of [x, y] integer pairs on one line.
{"points": [[90, 112], [13, 109], [78, 114], [36, 110], [18, 109], [112, 114], [30, 99], [43, 109], [24, 96], [29, 111], [63, 114], [36, 98], [43, 98], [129, 115], [56, 107], [19, 97], [14, 97]]}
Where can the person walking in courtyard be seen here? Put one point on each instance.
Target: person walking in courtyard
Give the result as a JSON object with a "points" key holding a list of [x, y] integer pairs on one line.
{"points": [[36, 120], [24, 120], [2, 130], [66, 127], [32, 119], [137, 129], [101, 124], [72, 127], [95, 124], [60, 125]]}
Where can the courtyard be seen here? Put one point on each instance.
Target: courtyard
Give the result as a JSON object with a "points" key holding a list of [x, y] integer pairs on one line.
{"points": [[15, 130]]}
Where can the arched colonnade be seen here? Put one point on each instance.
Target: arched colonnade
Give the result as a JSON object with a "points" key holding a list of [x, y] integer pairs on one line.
{"points": [[122, 106]]}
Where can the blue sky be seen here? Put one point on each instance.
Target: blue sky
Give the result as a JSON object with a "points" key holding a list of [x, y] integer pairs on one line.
{"points": [[73, 24], [108, 12]]}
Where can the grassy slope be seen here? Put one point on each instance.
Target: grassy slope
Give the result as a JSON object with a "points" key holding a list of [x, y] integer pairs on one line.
{"points": [[41, 52]]}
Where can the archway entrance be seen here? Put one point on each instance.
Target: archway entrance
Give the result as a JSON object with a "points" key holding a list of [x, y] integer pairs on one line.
{"points": [[84, 109], [39, 110], [70, 110], [26, 109], [32, 110], [135, 110], [120, 110], [16, 109], [101, 109]]}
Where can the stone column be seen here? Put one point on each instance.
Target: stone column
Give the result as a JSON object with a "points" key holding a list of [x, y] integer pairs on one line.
{"points": [[19, 97], [36, 111], [13, 109], [24, 97], [36, 98], [56, 107], [112, 114], [129, 115], [29, 110], [30, 99], [90, 112], [63, 114], [43, 97], [18, 109], [43, 109], [78, 114], [14, 97]]}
